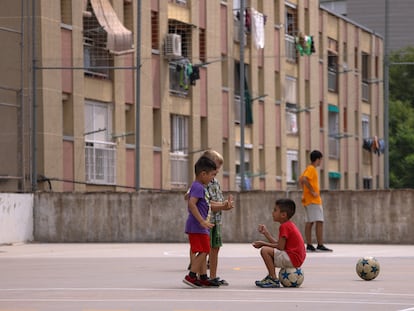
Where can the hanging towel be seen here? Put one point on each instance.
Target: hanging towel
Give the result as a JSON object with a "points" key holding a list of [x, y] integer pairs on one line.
{"points": [[258, 29]]}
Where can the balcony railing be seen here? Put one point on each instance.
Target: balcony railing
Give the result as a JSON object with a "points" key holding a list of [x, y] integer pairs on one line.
{"points": [[100, 162], [365, 91], [179, 170], [332, 81], [333, 147], [290, 48]]}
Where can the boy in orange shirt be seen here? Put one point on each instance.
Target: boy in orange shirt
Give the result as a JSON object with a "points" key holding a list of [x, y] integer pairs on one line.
{"points": [[312, 201]]}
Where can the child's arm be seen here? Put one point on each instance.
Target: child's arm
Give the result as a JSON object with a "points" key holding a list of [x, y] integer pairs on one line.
{"points": [[272, 241], [305, 182], [192, 206], [259, 244], [187, 194], [263, 230], [222, 206]]}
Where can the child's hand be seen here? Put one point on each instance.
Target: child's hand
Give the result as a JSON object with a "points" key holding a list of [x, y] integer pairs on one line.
{"points": [[230, 203], [262, 229], [206, 224], [187, 195], [257, 244]]}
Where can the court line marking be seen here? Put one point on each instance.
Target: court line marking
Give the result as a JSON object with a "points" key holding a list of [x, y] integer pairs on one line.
{"points": [[126, 289], [158, 300]]}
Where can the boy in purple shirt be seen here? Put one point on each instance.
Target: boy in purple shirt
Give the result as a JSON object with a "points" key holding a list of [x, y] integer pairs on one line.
{"points": [[198, 223]]}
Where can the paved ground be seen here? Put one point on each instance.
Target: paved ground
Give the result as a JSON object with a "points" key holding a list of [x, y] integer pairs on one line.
{"points": [[96, 277]]}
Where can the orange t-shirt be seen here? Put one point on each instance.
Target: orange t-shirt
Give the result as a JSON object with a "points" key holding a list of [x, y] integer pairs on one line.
{"points": [[312, 175]]}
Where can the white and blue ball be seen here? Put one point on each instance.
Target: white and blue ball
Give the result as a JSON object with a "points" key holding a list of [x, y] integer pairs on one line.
{"points": [[291, 277], [367, 268]]}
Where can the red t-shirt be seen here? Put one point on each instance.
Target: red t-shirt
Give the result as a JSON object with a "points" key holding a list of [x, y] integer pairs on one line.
{"points": [[295, 246]]}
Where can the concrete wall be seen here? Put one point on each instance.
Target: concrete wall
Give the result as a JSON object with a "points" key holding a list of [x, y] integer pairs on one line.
{"points": [[16, 217], [350, 216]]}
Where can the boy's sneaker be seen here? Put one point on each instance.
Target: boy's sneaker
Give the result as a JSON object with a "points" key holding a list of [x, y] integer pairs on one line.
{"points": [[209, 283], [268, 282], [323, 248], [220, 281], [193, 282], [310, 248]]}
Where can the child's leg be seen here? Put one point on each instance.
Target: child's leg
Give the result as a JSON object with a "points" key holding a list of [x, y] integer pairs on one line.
{"points": [[267, 254], [213, 257], [199, 265]]}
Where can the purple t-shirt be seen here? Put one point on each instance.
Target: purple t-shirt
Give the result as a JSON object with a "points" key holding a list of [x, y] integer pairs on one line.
{"points": [[192, 225]]}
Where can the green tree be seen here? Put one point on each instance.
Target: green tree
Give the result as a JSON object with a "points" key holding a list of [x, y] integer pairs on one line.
{"points": [[401, 79], [401, 144], [401, 118]]}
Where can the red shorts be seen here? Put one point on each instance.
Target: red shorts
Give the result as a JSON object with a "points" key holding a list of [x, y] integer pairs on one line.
{"points": [[199, 242]]}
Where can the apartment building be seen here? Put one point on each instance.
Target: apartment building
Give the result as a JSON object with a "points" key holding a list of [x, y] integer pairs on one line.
{"points": [[372, 14], [93, 92]]}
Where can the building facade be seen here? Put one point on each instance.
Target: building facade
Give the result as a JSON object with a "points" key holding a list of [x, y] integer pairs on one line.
{"points": [[84, 82], [372, 14]]}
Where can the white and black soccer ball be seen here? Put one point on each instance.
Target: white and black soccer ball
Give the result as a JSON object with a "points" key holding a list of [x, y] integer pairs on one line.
{"points": [[291, 277], [367, 268]]}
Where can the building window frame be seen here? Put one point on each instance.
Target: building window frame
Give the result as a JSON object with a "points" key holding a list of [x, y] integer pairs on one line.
{"points": [[100, 150], [179, 151]]}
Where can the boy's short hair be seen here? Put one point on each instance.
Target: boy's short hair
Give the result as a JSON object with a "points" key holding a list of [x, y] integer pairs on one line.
{"points": [[204, 164], [315, 154], [288, 206], [214, 155]]}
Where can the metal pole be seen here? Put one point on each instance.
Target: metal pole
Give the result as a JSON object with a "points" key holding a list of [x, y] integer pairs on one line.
{"points": [[22, 155], [386, 97], [137, 96], [242, 103], [34, 103]]}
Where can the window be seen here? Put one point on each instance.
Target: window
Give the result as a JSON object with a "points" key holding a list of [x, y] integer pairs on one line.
{"points": [[237, 105], [203, 45], [291, 20], [365, 77], [96, 56], [291, 31], [181, 2], [179, 151], [66, 12], [100, 152], [155, 30], [333, 183], [247, 169], [367, 182], [179, 80], [292, 169], [237, 109], [365, 126], [291, 105], [333, 121], [291, 119], [332, 72], [181, 48], [184, 30]]}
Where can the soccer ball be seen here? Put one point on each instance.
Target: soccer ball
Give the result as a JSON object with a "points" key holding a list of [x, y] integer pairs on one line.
{"points": [[291, 277], [367, 268]]}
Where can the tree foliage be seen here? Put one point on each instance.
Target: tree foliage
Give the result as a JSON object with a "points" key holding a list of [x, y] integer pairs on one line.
{"points": [[401, 119]]}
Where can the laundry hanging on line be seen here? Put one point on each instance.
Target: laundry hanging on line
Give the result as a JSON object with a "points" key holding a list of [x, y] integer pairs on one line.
{"points": [[189, 73], [305, 44], [374, 145]]}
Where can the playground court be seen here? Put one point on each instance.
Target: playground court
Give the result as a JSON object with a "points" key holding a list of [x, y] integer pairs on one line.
{"points": [[127, 277]]}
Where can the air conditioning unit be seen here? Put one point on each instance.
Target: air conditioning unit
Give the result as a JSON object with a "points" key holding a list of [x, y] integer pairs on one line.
{"points": [[172, 46]]}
